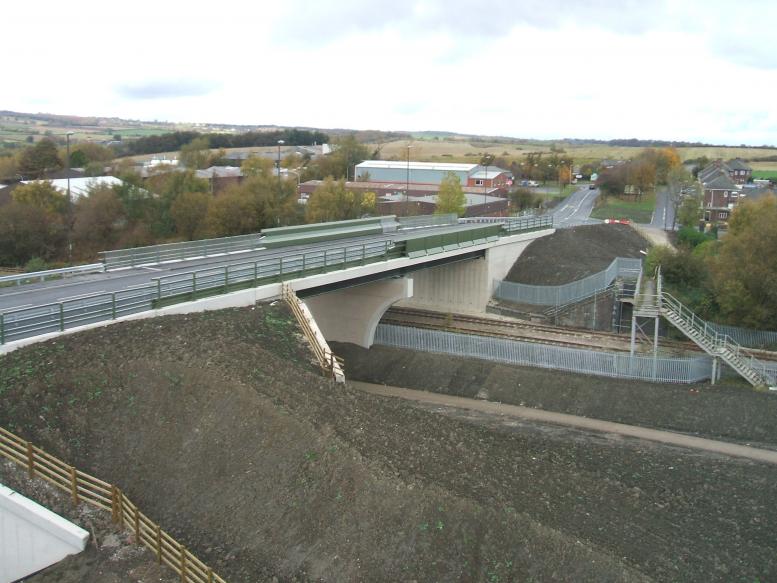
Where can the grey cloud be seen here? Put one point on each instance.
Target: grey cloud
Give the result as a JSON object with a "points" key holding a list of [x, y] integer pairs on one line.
{"points": [[166, 88]]}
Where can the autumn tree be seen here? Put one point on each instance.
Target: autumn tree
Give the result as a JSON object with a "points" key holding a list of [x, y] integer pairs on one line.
{"points": [[642, 175], [189, 211], [8, 168], [197, 154], [257, 166], [28, 231], [451, 198], [233, 212], [348, 152], [168, 187], [689, 211], [332, 202], [41, 194], [99, 221], [35, 161], [745, 270], [81, 155]]}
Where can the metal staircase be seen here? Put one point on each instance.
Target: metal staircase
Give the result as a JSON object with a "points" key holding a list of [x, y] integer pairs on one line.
{"points": [[653, 301]]}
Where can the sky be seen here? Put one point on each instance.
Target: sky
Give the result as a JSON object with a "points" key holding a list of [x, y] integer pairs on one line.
{"points": [[695, 70]]}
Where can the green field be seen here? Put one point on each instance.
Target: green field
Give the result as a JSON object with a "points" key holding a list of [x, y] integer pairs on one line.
{"points": [[765, 174], [636, 211]]}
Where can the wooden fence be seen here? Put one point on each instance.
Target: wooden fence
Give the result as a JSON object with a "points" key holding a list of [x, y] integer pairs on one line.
{"points": [[85, 488], [331, 365]]}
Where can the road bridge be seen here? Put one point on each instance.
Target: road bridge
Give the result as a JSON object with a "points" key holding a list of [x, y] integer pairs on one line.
{"points": [[364, 270]]}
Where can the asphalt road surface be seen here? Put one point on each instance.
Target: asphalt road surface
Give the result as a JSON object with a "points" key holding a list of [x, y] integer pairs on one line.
{"points": [[37, 294], [576, 209], [664, 213]]}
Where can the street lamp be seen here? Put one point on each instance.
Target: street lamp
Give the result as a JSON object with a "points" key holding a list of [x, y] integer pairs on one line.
{"points": [[280, 190], [407, 178], [69, 202]]}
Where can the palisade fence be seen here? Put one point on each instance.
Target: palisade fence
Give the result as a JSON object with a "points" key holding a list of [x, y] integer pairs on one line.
{"points": [[85, 488], [610, 364], [179, 251], [557, 295], [764, 339], [17, 324]]}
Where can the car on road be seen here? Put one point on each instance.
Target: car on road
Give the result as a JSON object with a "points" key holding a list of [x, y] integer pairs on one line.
{"points": [[592, 186]]}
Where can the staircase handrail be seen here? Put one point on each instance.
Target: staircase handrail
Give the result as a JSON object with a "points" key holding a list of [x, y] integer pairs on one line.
{"points": [[720, 341]]}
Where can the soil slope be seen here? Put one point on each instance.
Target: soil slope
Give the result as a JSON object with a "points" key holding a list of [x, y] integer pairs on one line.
{"points": [[220, 429], [571, 254]]}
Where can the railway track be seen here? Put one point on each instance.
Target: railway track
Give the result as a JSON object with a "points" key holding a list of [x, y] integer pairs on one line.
{"points": [[534, 332]]}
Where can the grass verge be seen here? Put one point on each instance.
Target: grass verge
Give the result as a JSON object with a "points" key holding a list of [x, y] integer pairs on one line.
{"points": [[638, 211]]}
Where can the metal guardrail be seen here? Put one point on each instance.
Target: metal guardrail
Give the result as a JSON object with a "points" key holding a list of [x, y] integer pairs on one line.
{"points": [[426, 221], [179, 251], [610, 364], [514, 224], [17, 324], [21, 323], [20, 278], [560, 295], [720, 344]]}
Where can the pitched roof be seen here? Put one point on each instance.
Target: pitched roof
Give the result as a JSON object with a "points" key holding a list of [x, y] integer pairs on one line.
{"points": [[737, 164], [488, 172], [712, 174], [720, 182]]}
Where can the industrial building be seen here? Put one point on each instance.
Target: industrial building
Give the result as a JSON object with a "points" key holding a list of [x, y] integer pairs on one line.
{"points": [[419, 199], [393, 171]]}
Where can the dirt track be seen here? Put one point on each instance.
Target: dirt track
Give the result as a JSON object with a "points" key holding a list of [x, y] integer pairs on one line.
{"points": [[677, 439]]}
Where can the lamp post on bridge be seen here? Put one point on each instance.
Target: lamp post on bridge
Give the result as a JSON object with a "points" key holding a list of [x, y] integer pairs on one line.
{"points": [[407, 179], [69, 202], [280, 188]]}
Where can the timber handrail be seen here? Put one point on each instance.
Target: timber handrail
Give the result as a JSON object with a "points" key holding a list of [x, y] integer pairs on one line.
{"points": [[331, 365], [85, 488]]}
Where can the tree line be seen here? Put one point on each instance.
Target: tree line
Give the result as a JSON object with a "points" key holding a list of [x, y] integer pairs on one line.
{"points": [[174, 141], [732, 280]]}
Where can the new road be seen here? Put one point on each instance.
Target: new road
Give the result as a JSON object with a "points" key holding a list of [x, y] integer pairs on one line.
{"points": [[576, 209], [52, 291]]}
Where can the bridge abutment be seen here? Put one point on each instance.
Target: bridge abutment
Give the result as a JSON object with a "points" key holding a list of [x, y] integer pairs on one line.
{"points": [[467, 286], [352, 314]]}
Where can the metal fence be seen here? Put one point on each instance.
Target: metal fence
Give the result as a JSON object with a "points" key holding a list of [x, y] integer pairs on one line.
{"points": [[20, 278], [610, 364], [426, 221], [179, 251], [556, 295], [748, 337], [514, 224], [21, 323]]}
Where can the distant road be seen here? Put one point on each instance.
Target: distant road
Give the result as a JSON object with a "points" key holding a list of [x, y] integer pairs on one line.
{"points": [[664, 213], [576, 209]]}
